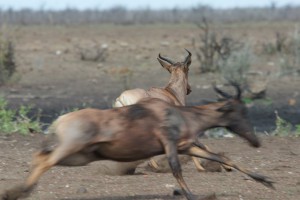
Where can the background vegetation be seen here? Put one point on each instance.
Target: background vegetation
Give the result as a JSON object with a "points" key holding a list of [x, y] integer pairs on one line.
{"points": [[229, 57], [121, 15]]}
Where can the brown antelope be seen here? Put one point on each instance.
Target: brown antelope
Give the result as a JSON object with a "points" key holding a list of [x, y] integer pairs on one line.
{"points": [[143, 130], [175, 93]]}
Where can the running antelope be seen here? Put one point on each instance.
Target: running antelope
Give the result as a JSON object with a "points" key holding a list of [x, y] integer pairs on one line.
{"points": [[175, 93], [143, 130]]}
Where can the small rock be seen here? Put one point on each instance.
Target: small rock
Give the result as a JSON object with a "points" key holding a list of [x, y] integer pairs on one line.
{"points": [[104, 46], [123, 44], [81, 190], [206, 87], [13, 90], [170, 186], [58, 52], [165, 44]]}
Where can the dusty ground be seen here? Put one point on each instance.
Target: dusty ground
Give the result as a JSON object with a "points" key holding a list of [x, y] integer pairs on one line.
{"points": [[52, 77], [278, 158]]}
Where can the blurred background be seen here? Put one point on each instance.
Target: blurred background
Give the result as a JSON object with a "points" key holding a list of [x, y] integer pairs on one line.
{"points": [[58, 56]]}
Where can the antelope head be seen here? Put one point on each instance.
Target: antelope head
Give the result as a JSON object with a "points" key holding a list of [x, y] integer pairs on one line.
{"points": [[234, 115], [177, 69]]}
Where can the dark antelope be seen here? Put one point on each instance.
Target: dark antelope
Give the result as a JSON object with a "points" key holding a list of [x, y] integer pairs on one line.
{"points": [[148, 128], [174, 92]]}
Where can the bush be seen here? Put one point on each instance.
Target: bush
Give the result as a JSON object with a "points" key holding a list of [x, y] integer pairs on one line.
{"points": [[236, 66], [12, 121], [279, 46], [7, 60], [290, 60], [297, 132], [211, 49], [283, 128]]}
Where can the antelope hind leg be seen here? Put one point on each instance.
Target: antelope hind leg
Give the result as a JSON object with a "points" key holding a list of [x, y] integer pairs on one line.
{"points": [[23, 190], [159, 164], [42, 162]]}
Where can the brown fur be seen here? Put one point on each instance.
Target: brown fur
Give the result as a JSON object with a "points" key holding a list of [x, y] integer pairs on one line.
{"points": [[174, 92], [85, 136]]}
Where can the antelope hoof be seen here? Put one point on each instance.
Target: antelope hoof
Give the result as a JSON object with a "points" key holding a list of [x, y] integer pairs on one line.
{"points": [[15, 193], [263, 179], [227, 168], [10, 195], [177, 192]]}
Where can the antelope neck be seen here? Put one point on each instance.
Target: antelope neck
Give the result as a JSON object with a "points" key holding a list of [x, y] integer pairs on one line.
{"points": [[177, 89], [207, 116]]}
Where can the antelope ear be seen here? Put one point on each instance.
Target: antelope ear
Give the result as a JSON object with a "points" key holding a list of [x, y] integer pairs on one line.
{"points": [[188, 59], [226, 107], [165, 65]]}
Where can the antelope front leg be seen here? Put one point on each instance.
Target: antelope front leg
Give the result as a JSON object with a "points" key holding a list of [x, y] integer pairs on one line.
{"points": [[171, 152]]}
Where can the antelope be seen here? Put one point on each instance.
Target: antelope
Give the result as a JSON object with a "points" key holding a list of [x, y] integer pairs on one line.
{"points": [[174, 92], [143, 130]]}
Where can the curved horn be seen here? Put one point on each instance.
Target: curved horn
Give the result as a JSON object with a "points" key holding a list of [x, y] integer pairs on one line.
{"points": [[237, 88], [188, 57], [166, 59], [222, 93]]}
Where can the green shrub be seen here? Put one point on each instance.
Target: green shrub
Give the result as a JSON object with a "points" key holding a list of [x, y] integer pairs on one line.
{"points": [[269, 49], [297, 132], [247, 100], [12, 121], [283, 128]]}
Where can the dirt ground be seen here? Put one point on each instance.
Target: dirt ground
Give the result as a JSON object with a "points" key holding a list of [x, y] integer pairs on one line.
{"points": [[51, 77], [278, 158]]}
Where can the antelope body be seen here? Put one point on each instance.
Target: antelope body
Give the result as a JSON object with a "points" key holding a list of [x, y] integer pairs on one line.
{"points": [[174, 92], [151, 127]]}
